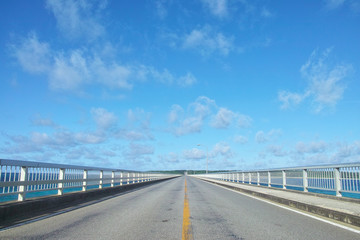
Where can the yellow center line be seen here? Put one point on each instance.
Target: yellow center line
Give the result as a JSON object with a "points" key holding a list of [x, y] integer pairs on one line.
{"points": [[186, 230]]}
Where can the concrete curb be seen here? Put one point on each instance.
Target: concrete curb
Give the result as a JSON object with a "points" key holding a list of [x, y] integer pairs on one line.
{"points": [[16, 212], [325, 212]]}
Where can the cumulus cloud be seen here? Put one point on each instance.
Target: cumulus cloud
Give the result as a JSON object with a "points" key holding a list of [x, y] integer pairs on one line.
{"points": [[137, 128], [312, 147], [194, 154], [169, 158], [240, 139], [43, 122], [72, 70], [78, 19], [138, 151], [276, 151], [103, 118], [175, 113], [33, 55], [222, 149], [187, 80], [208, 41], [325, 84], [321, 152], [243, 121], [223, 118], [191, 121], [272, 135], [260, 137]]}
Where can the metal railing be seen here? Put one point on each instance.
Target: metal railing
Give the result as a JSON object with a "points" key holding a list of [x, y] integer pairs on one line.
{"points": [[22, 179], [340, 180]]}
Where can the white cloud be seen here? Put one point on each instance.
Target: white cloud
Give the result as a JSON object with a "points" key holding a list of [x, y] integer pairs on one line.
{"points": [[194, 154], [137, 128], [240, 139], [218, 8], [43, 122], [68, 74], [223, 118], [276, 150], [192, 120], [272, 135], [325, 85], [33, 56], [77, 19], [169, 158], [321, 152], [112, 75], [187, 80], [207, 41], [244, 121], [312, 147], [89, 138], [72, 70], [175, 113], [290, 99], [222, 149], [138, 151], [103, 118], [260, 137]]}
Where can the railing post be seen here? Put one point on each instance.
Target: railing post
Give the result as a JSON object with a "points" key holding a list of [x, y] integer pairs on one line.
{"points": [[269, 179], [61, 184], [283, 179], [258, 178], [249, 178], [121, 178], [22, 188], [85, 176], [101, 179], [112, 178], [337, 182], [305, 180]]}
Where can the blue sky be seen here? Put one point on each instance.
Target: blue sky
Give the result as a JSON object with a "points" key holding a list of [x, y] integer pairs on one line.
{"points": [[139, 84]]}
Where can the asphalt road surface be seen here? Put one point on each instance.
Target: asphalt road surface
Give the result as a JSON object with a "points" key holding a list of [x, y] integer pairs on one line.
{"points": [[156, 212]]}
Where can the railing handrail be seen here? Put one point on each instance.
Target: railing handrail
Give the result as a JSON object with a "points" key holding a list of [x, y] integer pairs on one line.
{"points": [[20, 163], [342, 165]]}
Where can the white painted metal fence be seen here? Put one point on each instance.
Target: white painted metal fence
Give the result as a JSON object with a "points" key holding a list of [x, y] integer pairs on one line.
{"points": [[23, 178], [339, 180]]}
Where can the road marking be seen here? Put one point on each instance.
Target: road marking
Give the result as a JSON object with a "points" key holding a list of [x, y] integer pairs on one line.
{"points": [[293, 210], [186, 229]]}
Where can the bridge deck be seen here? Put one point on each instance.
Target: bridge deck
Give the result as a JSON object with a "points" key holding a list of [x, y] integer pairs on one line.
{"points": [[329, 205], [156, 212]]}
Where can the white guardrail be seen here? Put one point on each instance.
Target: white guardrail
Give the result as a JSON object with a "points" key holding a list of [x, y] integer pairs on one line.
{"points": [[340, 180], [22, 179]]}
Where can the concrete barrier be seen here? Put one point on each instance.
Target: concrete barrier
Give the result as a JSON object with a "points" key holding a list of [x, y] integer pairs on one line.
{"points": [[17, 212], [318, 210]]}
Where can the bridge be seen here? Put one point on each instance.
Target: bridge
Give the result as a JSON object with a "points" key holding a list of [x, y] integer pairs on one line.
{"points": [[54, 201]]}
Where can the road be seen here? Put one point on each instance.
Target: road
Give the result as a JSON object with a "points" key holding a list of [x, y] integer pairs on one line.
{"points": [[156, 212]]}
